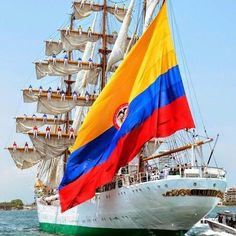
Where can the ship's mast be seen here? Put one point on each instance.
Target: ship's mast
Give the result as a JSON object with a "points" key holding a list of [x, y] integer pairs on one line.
{"points": [[144, 9], [104, 46], [68, 82]]}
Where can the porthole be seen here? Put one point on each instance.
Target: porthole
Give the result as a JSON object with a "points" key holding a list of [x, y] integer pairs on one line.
{"points": [[194, 184]]}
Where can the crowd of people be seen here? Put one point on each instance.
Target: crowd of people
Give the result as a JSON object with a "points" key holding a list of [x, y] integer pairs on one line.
{"points": [[59, 133], [75, 95]]}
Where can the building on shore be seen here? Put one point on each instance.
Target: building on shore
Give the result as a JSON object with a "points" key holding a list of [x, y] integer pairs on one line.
{"points": [[230, 196]]}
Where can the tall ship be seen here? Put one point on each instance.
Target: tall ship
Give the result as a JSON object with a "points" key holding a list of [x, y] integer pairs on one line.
{"points": [[163, 182]]}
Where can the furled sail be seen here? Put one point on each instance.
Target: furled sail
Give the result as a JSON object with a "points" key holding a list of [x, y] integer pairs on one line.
{"points": [[84, 9], [55, 105], [151, 147], [51, 147], [25, 124], [121, 43], [50, 172], [42, 69], [24, 159], [32, 95], [53, 47], [151, 5], [72, 40], [61, 68]]}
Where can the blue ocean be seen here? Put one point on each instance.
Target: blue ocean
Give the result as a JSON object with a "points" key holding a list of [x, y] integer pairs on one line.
{"points": [[25, 223]]}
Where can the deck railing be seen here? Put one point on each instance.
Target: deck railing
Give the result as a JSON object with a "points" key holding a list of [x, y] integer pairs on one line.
{"points": [[170, 173]]}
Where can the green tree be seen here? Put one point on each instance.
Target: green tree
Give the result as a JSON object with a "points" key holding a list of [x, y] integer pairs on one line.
{"points": [[17, 203]]}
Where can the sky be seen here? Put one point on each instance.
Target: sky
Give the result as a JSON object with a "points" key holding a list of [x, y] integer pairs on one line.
{"points": [[207, 33]]}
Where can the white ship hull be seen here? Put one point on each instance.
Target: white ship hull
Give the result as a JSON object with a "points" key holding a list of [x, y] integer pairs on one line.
{"points": [[141, 207]]}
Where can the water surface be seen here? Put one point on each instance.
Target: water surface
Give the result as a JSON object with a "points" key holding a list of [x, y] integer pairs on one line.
{"points": [[25, 223]]}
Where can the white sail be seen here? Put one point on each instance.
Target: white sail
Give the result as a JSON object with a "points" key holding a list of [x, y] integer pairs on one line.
{"points": [[82, 9], [53, 47], [61, 68], [121, 43], [72, 40], [51, 147], [151, 5], [42, 69], [30, 96], [51, 171], [24, 125], [83, 79], [56, 105], [151, 147], [88, 53], [25, 159]]}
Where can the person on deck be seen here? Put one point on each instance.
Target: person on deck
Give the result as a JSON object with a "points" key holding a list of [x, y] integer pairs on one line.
{"points": [[87, 96], [115, 8], [66, 59], [68, 30], [54, 58], [63, 95], [35, 131], [80, 29], [59, 132], [80, 62], [14, 146], [26, 147], [58, 90], [47, 134], [72, 133], [45, 118], [74, 95], [34, 117], [55, 118], [40, 90], [166, 171], [49, 94], [96, 92], [90, 61], [30, 89], [89, 31]]}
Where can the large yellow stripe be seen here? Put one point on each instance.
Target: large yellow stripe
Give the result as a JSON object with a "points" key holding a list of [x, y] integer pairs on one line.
{"points": [[152, 56]]}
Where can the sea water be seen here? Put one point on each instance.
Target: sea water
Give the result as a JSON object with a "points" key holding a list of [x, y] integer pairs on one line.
{"points": [[25, 223]]}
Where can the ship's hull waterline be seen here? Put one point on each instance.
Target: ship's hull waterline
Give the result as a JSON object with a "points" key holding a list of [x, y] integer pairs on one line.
{"points": [[141, 209]]}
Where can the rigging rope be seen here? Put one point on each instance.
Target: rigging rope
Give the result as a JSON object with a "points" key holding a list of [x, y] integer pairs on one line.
{"points": [[186, 68]]}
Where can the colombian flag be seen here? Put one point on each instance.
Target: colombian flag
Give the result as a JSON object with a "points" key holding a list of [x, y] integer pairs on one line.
{"points": [[145, 98]]}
